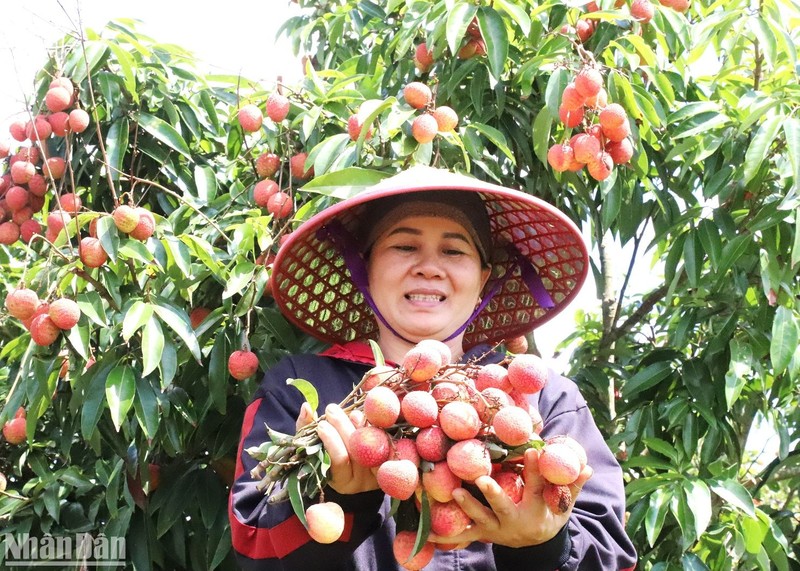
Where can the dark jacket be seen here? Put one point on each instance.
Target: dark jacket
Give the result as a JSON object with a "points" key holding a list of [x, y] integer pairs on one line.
{"points": [[270, 537]]}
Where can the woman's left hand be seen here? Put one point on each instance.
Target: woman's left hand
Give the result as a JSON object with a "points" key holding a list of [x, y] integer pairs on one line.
{"points": [[527, 523]]}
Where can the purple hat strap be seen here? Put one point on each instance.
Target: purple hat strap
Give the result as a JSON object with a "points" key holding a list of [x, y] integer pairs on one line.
{"points": [[347, 246]]}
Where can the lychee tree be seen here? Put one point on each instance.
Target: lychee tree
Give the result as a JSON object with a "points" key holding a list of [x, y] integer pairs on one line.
{"points": [[667, 129]]}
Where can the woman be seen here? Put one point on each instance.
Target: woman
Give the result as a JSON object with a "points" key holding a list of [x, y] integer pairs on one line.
{"points": [[427, 254]]}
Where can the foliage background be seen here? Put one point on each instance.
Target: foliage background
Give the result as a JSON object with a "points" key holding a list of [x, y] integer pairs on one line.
{"points": [[677, 377]]}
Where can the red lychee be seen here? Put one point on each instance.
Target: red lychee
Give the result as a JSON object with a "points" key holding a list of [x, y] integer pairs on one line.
{"points": [[558, 498], [16, 198], [146, 225], [250, 118], [511, 483], [92, 253], [446, 118], [9, 233], [403, 548], [377, 375], [419, 409], [600, 168], [14, 431], [65, 313], [469, 459], [571, 99], [440, 482], [17, 130], [448, 519], [37, 185], [423, 58], [370, 446], [78, 120], [586, 148], [492, 375], [417, 94], [588, 82], [513, 426], [421, 363], [584, 29], [263, 190], [527, 373], [406, 449], [325, 522], [355, 124], [277, 107], [57, 99], [22, 302], [39, 129], [198, 315], [43, 331], [29, 229], [126, 218], [22, 171], [579, 450], [642, 10], [242, 364], [60, 123], [490, 401], [459, 420], [381, 407], [297, 166], [559, 463], [424, 128], [267, 164], [620, 152], [444, 351], [570, 119], [280, 205], [398, 478], [433, 444]]}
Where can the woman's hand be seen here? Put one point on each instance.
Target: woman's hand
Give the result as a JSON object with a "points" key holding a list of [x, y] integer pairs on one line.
{"points": [[345, 475], [527, 523]]}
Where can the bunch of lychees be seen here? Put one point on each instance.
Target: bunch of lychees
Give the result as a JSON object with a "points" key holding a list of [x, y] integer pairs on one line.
{"points": [[431, 427]]}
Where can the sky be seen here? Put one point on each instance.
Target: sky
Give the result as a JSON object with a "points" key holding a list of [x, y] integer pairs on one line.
{"points": [[239, 39]]}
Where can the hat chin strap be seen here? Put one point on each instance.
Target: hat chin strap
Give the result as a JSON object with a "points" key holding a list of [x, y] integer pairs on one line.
{"points": [[346, 243]]}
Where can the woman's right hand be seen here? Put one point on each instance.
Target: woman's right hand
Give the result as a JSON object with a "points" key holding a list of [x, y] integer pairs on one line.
{"points": [[345, 475]]}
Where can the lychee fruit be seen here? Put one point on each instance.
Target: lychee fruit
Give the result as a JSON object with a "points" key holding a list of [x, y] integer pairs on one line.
{"points": [[419, 409], [267, 164], [29, 229], [571, 98], [448, 519], [469, 459], [54, 167], [280, 205], [325, 522], [584, 29], [517, 344], [444, 351], [620, 152], [417, 94], [297, 166], [403, 548], [39, 129], [17, 130], [612, 116], [198, 315], [16, 198], [70, 202], [146, 225], [381, 407], [570, 119], [14, 430], [492, 375], [642, 10], [586, 148], [460, 420], [263, 190], [424, 128], [600, 168], [558, 498], [421, 363], [559, 463], [618, 134], [406, 449], [513, 426], [433, 444], [57, 99], [250, 118], [92, 253], [446, 118], [588, 81], [65, 313], [370, 446], [511, 483], [398, 478], [377, 375], [126, 218], [37, 185], [22, 302], [9, 233], [527, 373], [423, 58], [60, 123], [440, 482], [22, 171], [355, 124], [242, 364], [277, 107], [43, 331], [579, 450], [78, 120]]}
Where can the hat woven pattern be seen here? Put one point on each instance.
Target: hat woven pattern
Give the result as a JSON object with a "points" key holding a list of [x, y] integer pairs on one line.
{"points": [[317, 290]]}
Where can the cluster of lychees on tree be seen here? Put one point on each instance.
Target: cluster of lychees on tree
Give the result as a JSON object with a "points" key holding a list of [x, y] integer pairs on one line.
{"points": [[430, 427]]}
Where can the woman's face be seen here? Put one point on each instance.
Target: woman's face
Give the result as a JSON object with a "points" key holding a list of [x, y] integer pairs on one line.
{"points": [[425, 276]]}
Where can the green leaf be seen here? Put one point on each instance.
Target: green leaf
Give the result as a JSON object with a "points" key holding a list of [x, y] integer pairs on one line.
{"points": [[296, 497], [206, 184], [555, 89], [458, 20], [796, 247], [711, 242], [145, 406], [152, 345], [179, 323], [517, 13], [344, 183], [377, 354], [542, 126], [127, 66], [424, 529], [766, 39], [137, 315], [736, 495], [238, 279], [759, 147], [648, 377], [82, 61], [754, 531], [218, 374], [308, 390], [120, 390], [117, 146], [791, 129], [326, 153], [693, 258], [732, 251], [93, 392], [496, 137], [164, 132], [656, 513], [495, 35], [698, 498], [109, 236], [784, 339], [739, 371]]}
